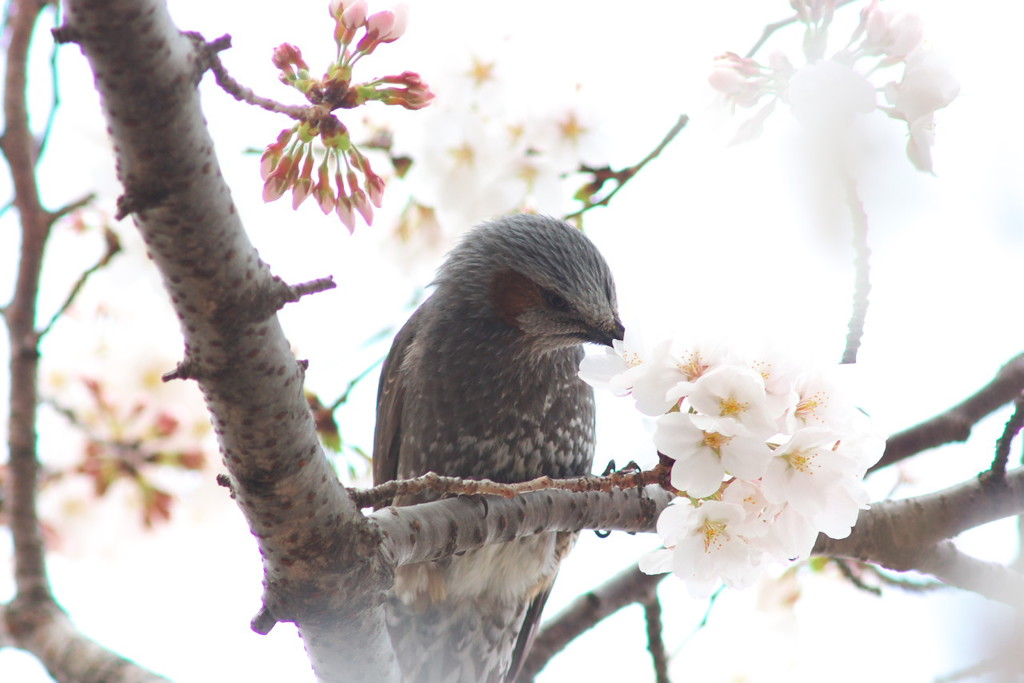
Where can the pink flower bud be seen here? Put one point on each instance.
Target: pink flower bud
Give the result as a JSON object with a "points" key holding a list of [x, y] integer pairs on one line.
{"points": [[354, 16], [374, 186], [377, 27], [345, 213], [322, 191], [268, 162], [401, 22], [380, 22], [287, 55], [336, 7], [359, 198], [304, 184], [273, 188]]}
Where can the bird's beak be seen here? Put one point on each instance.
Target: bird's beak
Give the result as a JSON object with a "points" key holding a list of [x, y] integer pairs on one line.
{"points": [[607, 333]]}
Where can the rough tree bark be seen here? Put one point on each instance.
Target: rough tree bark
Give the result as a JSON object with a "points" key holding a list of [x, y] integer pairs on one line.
{"points": [[327, 566]]}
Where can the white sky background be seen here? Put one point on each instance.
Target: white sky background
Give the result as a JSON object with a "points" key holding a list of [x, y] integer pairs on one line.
{"points": [[710, 240]]}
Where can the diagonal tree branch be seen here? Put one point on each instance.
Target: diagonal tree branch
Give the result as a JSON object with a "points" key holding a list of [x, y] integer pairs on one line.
{"points": [[625, 588], [907, 534], [322, 567], [952, 566], [955, 424]]}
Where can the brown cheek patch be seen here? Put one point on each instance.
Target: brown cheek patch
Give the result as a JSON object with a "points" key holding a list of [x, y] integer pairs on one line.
{"points": [[512, 294]]}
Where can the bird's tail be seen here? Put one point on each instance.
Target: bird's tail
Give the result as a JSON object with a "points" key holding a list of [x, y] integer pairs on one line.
{"points": [[455, 641]]}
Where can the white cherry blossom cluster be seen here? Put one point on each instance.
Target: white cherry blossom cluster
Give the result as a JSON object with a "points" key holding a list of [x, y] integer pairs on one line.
{"points": [[767, 455], [831, 89]]}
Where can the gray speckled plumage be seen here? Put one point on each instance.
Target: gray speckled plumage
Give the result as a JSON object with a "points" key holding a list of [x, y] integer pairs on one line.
{"points": [[481, 382]]}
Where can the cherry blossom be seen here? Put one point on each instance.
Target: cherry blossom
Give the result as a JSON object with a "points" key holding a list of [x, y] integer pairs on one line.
{"points": [[767, 454]]}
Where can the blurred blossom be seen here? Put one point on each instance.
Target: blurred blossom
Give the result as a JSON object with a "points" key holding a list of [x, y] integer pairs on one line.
{"points": [[828, 93], [484, 149]]}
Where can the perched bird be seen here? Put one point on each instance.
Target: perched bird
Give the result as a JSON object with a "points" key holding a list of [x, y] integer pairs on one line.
{"points": [[482, 383]]}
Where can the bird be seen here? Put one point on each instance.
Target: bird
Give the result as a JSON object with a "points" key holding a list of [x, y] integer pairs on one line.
{"points": [[482, 383]]}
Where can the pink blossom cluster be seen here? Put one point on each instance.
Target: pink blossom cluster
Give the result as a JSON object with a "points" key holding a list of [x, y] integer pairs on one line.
{"points": [[831, 89], [767, 455], [344, 182], [289, 161]]}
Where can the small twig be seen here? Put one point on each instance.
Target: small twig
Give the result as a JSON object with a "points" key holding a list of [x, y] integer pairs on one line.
{"points": [[847, 571], [382, 495], [113, 246], [298, 291], [703, 621], [862, 279], [916, 585], [51, 116], [263, 622], [655, 639], [772, 28], [341, 400], [73, 206], [243, 93], [1013, 426], [624, 176]]}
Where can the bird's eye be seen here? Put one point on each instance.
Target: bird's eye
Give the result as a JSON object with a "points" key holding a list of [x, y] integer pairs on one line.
{"points": [[555, 301]]}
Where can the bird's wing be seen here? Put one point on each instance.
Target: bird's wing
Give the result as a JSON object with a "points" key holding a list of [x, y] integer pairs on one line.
{"points": [[530, 628], [387, 436], [564, 542]]}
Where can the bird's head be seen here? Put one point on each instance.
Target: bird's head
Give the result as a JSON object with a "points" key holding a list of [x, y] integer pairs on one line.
{"points": [[538, 275]]}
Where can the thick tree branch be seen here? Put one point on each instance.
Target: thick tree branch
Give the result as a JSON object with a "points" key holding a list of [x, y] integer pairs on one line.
{"points": [[48, 633], [431, 531], [955, 568], [322, 565], [955, 424], [904, 534]]}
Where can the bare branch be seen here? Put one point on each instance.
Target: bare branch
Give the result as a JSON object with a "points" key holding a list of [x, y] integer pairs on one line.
{"points": [[991, 579], [624, 176], [955, 424], [113, 247], [862, 266], [296, 292], [1012, 428], [655, 640], [32, 620], [770, 29], [236, 89], [625, 588], [383, 494], [20, 151], [68, 656], [902, 534], [79, 203]]}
